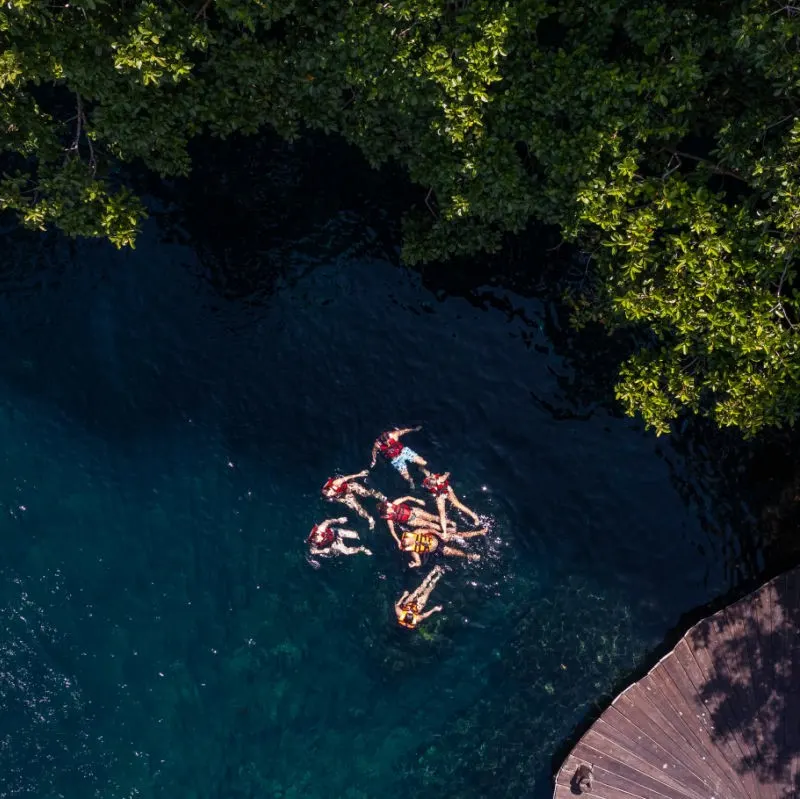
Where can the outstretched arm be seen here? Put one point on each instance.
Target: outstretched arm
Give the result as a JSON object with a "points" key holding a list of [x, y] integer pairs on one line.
{"points": [[362, 473], [401, 431], [437, 609], [408, 499], [374, 454]]}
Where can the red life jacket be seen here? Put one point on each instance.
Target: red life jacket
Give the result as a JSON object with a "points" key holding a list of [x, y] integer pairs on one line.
{"points": [[321, 540], [331, 490], [389, 446], [396, 513], [436, 486]]}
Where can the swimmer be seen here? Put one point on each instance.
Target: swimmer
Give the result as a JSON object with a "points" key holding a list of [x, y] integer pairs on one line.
{"points": [[425, 542], [398, 511], [345, 489], [326, 541], [439, 486], [409, 607], [388, 444]]}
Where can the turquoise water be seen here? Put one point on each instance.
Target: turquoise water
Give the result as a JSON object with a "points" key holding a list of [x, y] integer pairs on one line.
{"points": [[161, 633]]}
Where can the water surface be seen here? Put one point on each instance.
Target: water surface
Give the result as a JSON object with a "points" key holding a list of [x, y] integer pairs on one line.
{"points": [[162, 634]]}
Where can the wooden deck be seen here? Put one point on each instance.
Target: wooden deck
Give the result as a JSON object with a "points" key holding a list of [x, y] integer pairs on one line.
{"points": [[716, 718]]}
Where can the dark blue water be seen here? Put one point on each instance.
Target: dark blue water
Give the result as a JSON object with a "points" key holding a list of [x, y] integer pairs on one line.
{"points": [[161, 633]]}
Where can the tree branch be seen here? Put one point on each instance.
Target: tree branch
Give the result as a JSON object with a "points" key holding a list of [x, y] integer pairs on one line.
{"points": [[718, 170]]}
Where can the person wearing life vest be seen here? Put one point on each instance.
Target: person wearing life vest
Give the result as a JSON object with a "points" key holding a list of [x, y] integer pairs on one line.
{"points": [[409, 607], [388, 444], [326, 541], [438, 485], [346, 490], [398, 511], [422, 541]]}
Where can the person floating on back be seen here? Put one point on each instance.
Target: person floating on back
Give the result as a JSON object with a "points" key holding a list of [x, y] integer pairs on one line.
{"points": [[439, 486], [345, 489], [398, 511], [409, 607], [388, 444], [427, 541], [326, 541]]}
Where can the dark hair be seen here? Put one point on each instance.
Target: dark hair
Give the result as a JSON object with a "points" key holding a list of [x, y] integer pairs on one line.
{"points": [[382, 507]]}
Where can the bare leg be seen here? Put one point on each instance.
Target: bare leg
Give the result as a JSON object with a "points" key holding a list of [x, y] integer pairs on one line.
{"points": [[419, 460], [406, 476], [458, 553], [421, 595], [362, 491], [468, 534], [343, 549], [422, 518], [355, 505], [451, 495], [441, 506]]}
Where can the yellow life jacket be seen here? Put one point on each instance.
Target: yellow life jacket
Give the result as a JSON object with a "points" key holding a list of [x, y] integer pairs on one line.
{"points": [[423, 542], [410, 617]]}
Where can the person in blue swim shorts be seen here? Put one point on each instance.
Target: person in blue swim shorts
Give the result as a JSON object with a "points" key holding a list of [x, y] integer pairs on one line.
{"points": [[389, 445]]}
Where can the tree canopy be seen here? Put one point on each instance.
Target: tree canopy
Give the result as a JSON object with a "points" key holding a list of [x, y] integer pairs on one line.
{"points": [[662, 137]]}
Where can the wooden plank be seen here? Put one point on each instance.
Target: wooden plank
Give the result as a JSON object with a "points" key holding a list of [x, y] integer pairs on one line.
{"points": [[768, 607], [679, 710], [638, 773], [707, 752], [792, 710], [781, 621], [650, 718], [565, 792], [725, 711], [740, 662], [733, 650], [621, 730], [615, 779], [654, 720], [732, 696], [720, 746]]}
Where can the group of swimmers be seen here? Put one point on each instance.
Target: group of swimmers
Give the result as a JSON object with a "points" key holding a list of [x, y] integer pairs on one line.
{"points": [[414, 529]]}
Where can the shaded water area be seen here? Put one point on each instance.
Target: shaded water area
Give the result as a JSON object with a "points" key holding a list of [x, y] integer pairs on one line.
{"points": [[165, 436]]}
